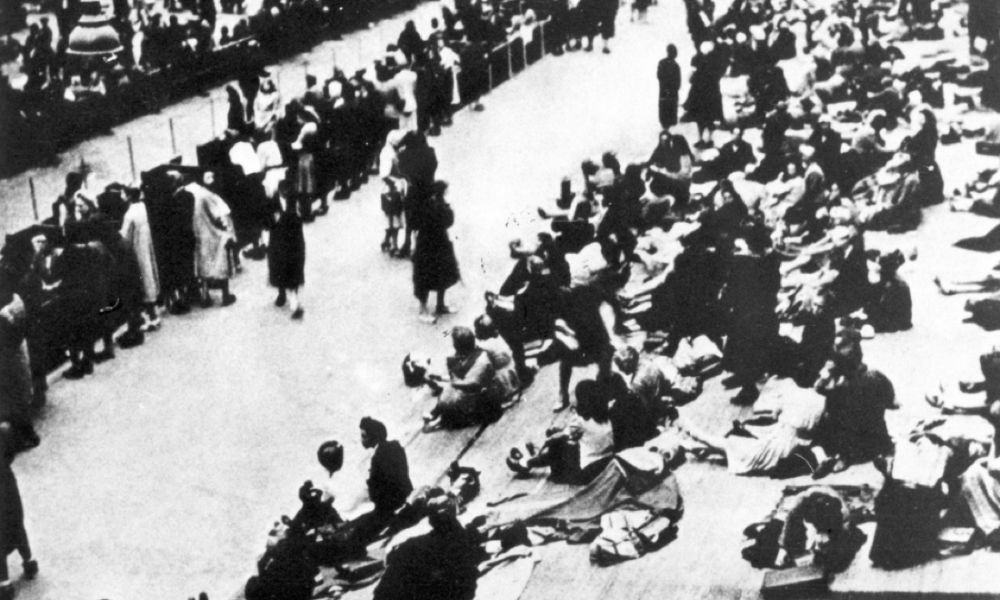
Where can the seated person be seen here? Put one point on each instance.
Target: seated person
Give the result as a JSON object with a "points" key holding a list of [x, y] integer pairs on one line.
{"points": [[506, 382], [388, 481], [440, 564], [853, 428], [579, 451], [980, 493], [465, 398], [818, 523], [890, 306], [669, 168], [735, 155]]}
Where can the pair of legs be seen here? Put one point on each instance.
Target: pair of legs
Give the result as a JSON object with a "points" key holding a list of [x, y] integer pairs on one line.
{"points": [[30, 567], [570, 360], [390, 244], [291, 296], [206, 298], [440, 309]]}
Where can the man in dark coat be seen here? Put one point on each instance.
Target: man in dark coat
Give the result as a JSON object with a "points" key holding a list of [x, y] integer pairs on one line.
{"points": [[440, 565], [668, 72], [388, 480]]}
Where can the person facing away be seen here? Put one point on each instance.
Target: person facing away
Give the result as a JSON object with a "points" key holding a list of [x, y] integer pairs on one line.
{"points": [[439, 565], [668, 73]]}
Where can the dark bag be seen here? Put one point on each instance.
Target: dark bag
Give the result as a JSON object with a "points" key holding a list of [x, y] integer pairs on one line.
{"points": [[414, 375]]}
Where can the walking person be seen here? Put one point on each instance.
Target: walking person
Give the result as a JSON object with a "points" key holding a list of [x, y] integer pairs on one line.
{"points": [[668, 72], [12, 533], [286, 250], [213, 235], [435, 267]]}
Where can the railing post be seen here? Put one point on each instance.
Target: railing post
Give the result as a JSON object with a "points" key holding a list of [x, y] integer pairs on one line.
{"points": [[34, 198], [131, 157], [211, 108], [489, 71], [524, 53], [510, 63], [541, 46], [173, 138]]}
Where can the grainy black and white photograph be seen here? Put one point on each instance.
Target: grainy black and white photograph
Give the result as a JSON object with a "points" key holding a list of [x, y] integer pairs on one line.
{"points": [[499, 299]]}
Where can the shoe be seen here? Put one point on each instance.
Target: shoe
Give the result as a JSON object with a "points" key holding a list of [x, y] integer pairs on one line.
{"points": [[104, 355], [322, 210], [516, 466], [207, 302], [297, 314], [151, 324], [560, 405], [74, 372], [606, 50], [280, 300], [30, 569], [428, 319], [179, 308], [747, 396], [131, 339], [403, 252], [228, 299], [731, 383], [444, 310], [88, 368]]}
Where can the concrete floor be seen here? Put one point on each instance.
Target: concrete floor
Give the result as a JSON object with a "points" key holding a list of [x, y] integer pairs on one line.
{"points": [[159, 476]]}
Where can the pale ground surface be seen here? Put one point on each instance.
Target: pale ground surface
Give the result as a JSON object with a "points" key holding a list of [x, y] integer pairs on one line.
{"points": [[159, 476]]}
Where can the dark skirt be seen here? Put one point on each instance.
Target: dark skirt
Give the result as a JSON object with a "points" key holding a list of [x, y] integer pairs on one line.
{"points": [[286, 254], [12, 534], [434, 264]]}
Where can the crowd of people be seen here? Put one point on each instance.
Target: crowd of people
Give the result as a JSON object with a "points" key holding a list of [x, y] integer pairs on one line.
{"points": [[749, 259], [713, 254]]}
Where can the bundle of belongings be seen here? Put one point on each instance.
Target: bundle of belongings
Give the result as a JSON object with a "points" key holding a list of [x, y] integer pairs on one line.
{"points": [[629, 509]]}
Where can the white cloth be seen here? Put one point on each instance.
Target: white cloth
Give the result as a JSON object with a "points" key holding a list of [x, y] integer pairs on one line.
{"points": [[213, 230], [245, 157], [139, 238]]}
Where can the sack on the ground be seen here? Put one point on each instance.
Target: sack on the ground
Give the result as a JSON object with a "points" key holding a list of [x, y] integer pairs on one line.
{"points": [[414, 374]]}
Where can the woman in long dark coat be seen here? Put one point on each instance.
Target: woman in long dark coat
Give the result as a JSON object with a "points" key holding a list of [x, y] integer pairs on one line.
{"points": [[751, 298], [435, 267], [704, 101], [286, 251], [12, 534]]}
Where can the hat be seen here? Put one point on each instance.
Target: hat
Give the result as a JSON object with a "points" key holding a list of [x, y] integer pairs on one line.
{"points": [[331, 456]]}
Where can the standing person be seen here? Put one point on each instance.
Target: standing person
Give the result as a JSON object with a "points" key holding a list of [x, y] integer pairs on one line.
{"points": [[704, 101], [286, 250], [16, 384], [435, 267], [213, 234], [750, 298], [388, 480], [668, 72], [12, 534], [138, 237]]}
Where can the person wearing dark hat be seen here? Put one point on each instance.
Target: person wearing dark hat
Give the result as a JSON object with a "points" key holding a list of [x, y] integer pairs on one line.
{"points": [[668, 73], [388, 480], [439, 565], [286, 250]]}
